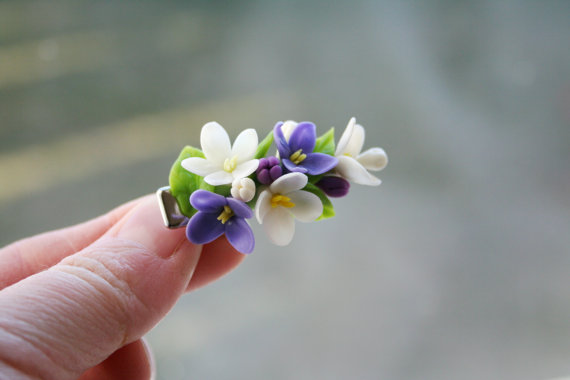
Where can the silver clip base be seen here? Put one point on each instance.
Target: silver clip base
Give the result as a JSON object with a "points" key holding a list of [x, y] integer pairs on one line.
{"points": [[171, 215]]}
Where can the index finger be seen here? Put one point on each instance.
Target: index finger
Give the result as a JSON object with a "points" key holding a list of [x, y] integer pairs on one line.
{"points": [[26, 257]]}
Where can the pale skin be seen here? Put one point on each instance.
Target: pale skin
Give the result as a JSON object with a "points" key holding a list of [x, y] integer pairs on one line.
{"points": [[76, 302]]}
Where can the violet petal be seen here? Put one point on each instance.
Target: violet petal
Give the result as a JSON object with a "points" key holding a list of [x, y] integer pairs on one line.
{"points": [[318, 163], [264, 177], [206, 201], [280, 141], [240, 235], [263, 164], [275, 172], [292, 167], [273, 161], [239, 208], [335, 187], [204, 228], [303, 137]]}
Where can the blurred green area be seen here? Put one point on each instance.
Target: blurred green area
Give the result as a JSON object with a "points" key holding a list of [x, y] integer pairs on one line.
{"points": [[457, 267]]}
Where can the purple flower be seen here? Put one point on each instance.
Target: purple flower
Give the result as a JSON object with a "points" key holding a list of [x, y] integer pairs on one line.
{"points": [[268, 170], [218, 215], [333, 186], [297, 153]]}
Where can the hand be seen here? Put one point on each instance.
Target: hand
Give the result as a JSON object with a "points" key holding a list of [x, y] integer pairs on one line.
{"points": [[76, 302]]}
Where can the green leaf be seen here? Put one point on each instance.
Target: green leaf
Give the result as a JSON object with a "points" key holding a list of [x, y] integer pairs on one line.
{"points": [[328, 209], [325, 143], [223, 190], [315, 178], [264, 145], [183, 183], [253, 202]]}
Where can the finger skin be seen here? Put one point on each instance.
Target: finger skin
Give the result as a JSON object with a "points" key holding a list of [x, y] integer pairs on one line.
{"points": [[133, 361], [74, 315], [217, 259], [32, 255]]}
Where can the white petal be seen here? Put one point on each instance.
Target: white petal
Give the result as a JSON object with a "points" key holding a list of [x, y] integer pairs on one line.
{"points": [[246, 194], [288, 183], [215, 143], [237, 184], [235, 193], [353, 171], [245, 169], [263, 205], [245, 145], [373, 159], [308, 207], [199, 166], [343, 142], [218, 178], [279, 224], [356, 141], [288, 127]]}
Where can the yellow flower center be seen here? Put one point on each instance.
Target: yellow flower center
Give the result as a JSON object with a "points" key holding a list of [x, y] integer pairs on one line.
{"points": [[298, 157], [226, 214], [348, 155], [230, 164], [281, 200]]}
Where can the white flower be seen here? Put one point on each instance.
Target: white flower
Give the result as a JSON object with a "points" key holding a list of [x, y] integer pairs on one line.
{"points": [[354, 165], [243, 189], [224, 163], [282, 202]]}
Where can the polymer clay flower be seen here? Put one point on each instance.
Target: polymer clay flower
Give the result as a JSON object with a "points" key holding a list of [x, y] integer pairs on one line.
{"points": [[224, 163], [243, 189], [297, 152], [354, 165], [282, 202], [218, 215]]}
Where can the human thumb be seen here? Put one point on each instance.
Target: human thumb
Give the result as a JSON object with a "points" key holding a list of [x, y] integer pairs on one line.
{"points": [[64, 320]]}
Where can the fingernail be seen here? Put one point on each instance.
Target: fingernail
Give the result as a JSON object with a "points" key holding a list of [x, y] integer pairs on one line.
{"points": [[150, 358]]}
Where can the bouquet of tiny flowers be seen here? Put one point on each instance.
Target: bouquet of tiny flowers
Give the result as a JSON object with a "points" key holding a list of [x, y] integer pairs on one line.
{"points": [[222, 185]]}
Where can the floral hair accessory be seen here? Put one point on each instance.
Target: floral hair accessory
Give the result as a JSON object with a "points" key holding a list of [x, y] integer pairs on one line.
{"points": [[214, 190]]}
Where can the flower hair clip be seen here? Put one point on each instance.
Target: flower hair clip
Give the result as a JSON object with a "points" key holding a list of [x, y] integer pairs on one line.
{"points": [[214, 190]]}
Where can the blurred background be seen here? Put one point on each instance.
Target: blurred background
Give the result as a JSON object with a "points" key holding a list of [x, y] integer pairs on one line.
{"points": [[456, 267]]}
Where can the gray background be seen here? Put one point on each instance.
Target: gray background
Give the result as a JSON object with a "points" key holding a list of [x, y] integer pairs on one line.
{"points": [[456, 267]]}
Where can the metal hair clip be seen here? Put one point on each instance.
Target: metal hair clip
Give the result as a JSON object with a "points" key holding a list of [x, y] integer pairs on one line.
{"points": [[171, 215]]}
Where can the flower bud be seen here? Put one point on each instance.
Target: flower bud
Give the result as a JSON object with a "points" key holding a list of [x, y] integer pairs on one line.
{"points": [[243, 189], [268, 170], [288, 127], [333, 186]]}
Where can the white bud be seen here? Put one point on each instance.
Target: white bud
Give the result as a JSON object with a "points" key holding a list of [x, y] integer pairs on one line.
{"points": [[243, 189], [288, 127]]}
